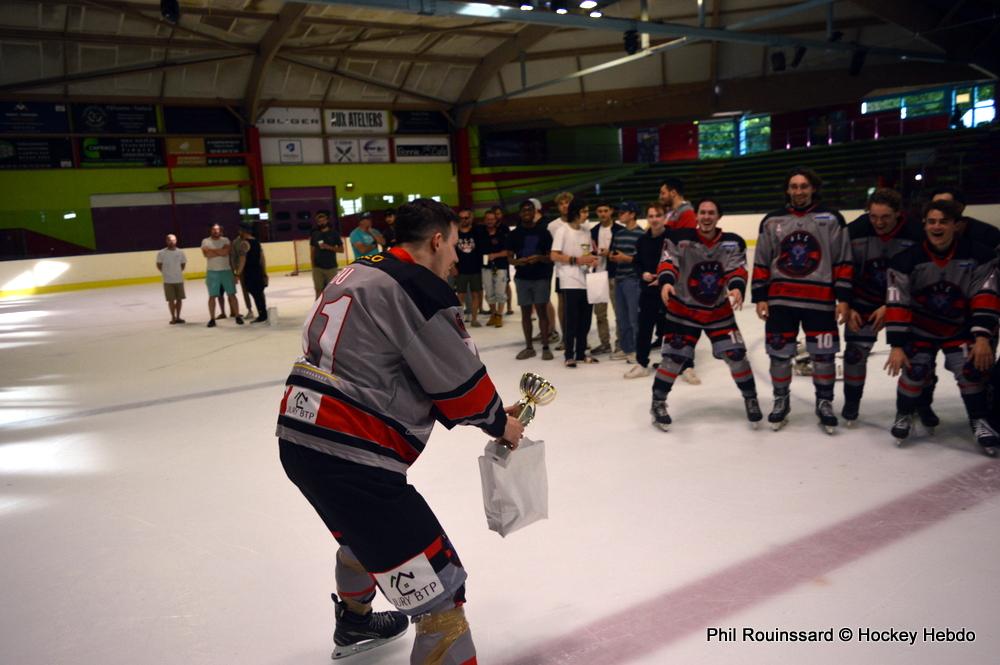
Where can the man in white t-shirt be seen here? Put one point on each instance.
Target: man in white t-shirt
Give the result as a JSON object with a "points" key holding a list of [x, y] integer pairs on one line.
{"points": [[563, 199], [171, 262], [219, 273], [573, 256]]}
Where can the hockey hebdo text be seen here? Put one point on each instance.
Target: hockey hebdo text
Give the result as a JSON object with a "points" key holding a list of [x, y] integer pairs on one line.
{"points": [[862, 634]]}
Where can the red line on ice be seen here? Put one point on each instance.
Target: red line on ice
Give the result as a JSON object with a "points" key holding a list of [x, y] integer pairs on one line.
{"points": [[659, 621]]}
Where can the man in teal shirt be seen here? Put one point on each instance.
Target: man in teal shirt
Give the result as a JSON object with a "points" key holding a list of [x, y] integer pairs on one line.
{"points": [[364, 239]]}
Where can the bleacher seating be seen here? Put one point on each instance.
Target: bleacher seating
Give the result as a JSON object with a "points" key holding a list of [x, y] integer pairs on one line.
{"points": [[966, 158]]}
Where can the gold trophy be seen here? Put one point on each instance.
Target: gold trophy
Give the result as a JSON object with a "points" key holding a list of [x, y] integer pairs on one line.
{"points": [[535, 392]]}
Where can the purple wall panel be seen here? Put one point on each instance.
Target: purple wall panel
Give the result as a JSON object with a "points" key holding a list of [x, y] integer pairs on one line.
{"points": [[293, 208], [138, 228]]}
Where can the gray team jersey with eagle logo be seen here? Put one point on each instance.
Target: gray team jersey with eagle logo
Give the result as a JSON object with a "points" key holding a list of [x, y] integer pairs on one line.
{"points": [[702, 273], [407, 362], [803, 259], [937, 298]]}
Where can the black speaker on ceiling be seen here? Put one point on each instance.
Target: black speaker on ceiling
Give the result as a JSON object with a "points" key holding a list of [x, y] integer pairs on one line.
{"points": [[800, 52], [778, 61], [170, 10], [857, 61], [631, 42]]}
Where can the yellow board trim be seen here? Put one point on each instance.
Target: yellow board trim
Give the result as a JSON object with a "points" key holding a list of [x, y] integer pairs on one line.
{"points": [[112, 283]]}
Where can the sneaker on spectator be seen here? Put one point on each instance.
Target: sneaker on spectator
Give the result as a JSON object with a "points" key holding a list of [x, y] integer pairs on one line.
{"points": [[600, 348], [637, 372], [524, 354], [618, 355], [546, 353]]}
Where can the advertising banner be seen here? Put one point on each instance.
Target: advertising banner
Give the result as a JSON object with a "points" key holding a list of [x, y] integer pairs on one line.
{"points": [[290, 120], [115, 118], [36, 154], [33, 118], [350, 121]]}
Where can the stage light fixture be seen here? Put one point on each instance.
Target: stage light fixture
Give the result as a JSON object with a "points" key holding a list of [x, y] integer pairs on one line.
{"points": [[527, 6], [588, 4], [596, 14], [559, 6]]}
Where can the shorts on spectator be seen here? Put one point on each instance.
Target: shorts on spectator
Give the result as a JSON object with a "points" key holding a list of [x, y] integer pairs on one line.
{"points": [[533, 291], [471, 282], [219, 280], [174, 291]]}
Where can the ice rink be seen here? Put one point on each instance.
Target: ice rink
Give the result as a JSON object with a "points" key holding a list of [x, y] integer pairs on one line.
{"points": [[145, 517]]}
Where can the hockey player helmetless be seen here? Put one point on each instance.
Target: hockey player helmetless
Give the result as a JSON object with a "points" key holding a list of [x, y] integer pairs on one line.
{"points": [[703, 276], [802, 268], [876, 237], [942, 296], [385, 355]]}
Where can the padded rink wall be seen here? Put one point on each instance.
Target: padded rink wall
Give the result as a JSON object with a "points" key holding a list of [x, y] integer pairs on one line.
{"points": [[37, 276]]}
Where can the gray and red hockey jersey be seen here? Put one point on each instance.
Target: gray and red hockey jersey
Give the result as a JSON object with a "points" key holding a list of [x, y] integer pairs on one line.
{"points": [[803, 259], [931, 297], [702, 273], [682, 217], [409, 362], [871, 254]]}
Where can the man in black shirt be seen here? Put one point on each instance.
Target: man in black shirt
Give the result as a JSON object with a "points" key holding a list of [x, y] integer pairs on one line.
{"points": [[529, 245], [324, 243], [390, 228], [470, 264]]}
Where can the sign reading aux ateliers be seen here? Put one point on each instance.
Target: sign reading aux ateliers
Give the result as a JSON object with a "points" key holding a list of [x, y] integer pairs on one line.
{"points": [[352, 121]]}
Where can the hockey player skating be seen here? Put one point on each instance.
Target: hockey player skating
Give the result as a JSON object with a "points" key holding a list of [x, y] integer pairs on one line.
{"points": [[942, 296], [802, 267], [876, 237], [703, 276], [386, 354]]}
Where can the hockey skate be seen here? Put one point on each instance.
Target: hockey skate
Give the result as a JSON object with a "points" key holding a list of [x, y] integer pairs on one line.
{"points": [[928, 418], [850, 412], [779, 414], [986, 436], [824, 411], [901, 427], [661, 418], [754, 414], [356, 633]]}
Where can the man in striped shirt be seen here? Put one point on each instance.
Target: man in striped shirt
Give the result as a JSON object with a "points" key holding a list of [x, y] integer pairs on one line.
{"points": [[622, 254]]}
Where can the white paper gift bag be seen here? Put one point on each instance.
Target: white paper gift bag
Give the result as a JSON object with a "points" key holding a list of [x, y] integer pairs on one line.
{"points": [[515, 485], [598, 290]]}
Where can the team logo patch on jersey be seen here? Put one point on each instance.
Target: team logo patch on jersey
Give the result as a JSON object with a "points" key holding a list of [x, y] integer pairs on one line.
{"points": [[303, 404], [411, 585], [942, 299], [800, 254], [705, 282]]}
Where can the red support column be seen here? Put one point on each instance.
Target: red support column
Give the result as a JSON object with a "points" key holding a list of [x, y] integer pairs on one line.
{"points": [[256, 168], [463, 164]]}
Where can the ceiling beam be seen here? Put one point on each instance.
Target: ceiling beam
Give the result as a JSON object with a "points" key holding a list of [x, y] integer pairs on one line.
{"points": [[97, 74], [367, 80], [288, 19], [620, 25], [372, 54], [155, 20], [22, 34], [616, 47], [491, 65], [685, 102]]}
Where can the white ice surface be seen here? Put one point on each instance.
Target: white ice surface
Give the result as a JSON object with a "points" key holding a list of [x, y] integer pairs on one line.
{"points": [[144, 517]]}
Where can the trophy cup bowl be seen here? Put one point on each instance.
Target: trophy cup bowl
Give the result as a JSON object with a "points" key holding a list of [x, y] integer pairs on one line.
{"points": [[535, 392]]}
